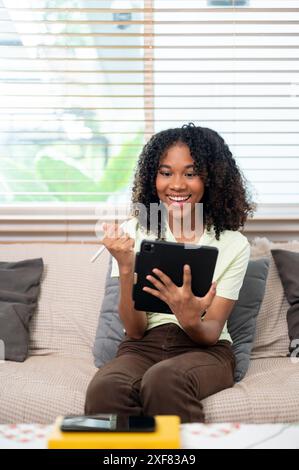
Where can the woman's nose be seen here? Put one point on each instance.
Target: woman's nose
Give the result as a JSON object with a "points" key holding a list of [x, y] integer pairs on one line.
{"points": [[177, 183]]}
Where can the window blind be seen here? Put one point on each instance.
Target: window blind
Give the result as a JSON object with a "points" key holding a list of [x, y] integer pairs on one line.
{"points": [[84, 83]]}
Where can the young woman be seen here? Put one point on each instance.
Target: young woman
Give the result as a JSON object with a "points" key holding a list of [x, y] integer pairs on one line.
{"points": [[167, 363]]}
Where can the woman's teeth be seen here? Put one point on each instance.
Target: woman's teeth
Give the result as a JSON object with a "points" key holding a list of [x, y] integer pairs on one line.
{"points": [[179, 198]]}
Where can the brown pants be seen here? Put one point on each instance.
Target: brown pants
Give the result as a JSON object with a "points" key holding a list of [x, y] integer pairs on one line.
{"points": [[165, 372]]}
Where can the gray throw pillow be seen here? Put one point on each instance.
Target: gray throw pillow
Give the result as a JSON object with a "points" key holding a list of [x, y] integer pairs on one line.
{"points": [[287, 263], [241, 324], [19, 289], [242, 320], [110, 330]]}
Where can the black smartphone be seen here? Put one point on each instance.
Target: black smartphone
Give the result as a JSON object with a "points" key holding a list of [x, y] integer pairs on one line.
{"points": [[108, 423]]}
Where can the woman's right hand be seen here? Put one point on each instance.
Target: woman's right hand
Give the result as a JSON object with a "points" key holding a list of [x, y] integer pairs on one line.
{"points": [[120, 245]]}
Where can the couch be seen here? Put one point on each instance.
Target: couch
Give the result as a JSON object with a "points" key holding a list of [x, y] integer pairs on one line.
{"points": [[53, 379]]}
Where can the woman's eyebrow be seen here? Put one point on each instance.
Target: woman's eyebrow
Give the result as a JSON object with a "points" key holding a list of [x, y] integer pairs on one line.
{"points": [[169, 166]]}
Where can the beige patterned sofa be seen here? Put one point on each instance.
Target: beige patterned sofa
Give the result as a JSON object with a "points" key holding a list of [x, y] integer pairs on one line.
{"points": [[54, 378]]}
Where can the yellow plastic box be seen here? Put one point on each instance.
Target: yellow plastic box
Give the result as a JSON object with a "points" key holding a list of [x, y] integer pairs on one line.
{"points": [[166, 436]]}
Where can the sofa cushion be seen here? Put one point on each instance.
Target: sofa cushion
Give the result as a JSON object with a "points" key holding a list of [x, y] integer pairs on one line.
{"points": [[242, 320], [268, 394], [43, 387], [287, 264], [19, 290], [110, 330], [71, 294], [271, 334]]}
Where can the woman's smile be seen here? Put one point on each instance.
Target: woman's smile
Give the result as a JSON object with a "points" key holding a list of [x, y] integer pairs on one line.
{"points": [[178, 200]]}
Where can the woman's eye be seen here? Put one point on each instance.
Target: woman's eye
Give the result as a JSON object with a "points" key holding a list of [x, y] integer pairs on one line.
{"points": [[167, 173]]}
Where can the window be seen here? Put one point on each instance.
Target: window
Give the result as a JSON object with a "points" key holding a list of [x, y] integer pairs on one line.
{"points": [[72, 100], [84, 83]]}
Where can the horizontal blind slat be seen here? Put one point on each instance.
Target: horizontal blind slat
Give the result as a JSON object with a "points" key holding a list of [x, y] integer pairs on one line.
{"points": [[234, 34], [177, 20], [155, 10]]}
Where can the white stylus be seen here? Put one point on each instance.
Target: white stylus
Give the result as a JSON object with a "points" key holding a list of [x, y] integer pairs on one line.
{"points": [[97, 254]]}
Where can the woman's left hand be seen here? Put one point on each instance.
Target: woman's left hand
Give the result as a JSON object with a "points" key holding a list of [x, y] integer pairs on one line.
{"points": [[183, 303]]}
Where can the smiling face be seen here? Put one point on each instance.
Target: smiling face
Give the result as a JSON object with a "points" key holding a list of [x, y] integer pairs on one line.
{"points": [[178, 186]]}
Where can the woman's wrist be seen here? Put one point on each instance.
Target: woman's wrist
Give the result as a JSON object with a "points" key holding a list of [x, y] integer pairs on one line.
{"points": [[123, 269], [191, 320]]}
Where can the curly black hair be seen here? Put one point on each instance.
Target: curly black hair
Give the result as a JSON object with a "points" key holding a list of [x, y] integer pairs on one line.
{"points": [[226, 201]]}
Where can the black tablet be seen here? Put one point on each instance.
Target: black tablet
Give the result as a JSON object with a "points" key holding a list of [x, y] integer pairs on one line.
{"points": [[170, 257]]}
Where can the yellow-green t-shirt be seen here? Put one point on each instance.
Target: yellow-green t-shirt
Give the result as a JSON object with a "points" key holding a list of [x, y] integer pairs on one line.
{"points": [[230, 269]]}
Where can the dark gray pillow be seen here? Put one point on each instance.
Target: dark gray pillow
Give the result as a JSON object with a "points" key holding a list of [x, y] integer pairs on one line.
{"points": [[241, 324], [19, 289], [287, 263], [110, 330], [242, 320]]}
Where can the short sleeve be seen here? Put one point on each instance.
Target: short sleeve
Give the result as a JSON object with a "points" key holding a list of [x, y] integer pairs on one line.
{"points": [[231, 281], [129, 227]]}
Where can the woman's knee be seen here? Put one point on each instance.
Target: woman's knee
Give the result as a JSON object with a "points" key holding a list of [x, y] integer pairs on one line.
{"points": [[98, 395], [159, 377]]}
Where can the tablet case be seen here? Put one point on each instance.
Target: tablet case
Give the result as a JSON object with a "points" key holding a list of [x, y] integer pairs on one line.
{"points": [[170, 258]]}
